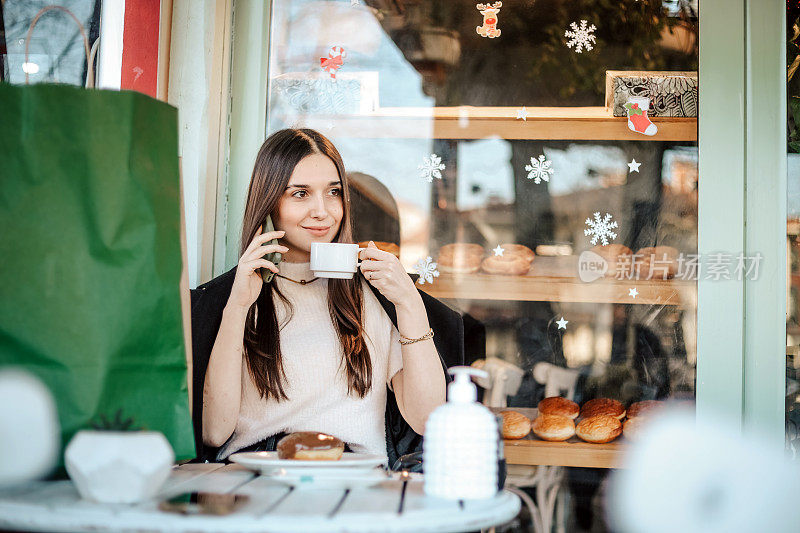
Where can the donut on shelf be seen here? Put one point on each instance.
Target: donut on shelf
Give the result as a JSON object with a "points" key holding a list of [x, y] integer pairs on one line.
{"points": [[460, 258], [515, 261], [518, 249], [618, 256]]}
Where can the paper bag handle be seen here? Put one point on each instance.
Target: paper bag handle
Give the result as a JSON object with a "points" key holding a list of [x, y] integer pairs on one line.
{"points": [[89, 66]]}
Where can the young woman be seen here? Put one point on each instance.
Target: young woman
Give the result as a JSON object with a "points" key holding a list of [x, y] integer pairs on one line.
{"points": [[303, 353]]}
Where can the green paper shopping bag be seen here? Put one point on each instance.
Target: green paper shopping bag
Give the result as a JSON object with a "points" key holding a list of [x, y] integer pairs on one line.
{"points": [[90, 257]]}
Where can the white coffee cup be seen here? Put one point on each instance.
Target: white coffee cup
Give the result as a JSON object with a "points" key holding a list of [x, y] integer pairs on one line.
{"points": [[334, 259]]}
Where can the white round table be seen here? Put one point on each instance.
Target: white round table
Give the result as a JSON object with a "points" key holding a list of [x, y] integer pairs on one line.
{"points": [[393, 505]]}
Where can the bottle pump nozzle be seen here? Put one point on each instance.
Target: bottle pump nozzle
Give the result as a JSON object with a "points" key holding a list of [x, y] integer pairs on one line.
{"points": [[462, 389]]}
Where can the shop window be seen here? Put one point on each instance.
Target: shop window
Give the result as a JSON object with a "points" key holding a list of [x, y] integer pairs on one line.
{"points": [[56, 52]]}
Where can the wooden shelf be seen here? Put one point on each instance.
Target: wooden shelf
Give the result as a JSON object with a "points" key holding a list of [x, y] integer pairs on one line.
{"points": [[467, 122], [574, 452], [554, 279]]}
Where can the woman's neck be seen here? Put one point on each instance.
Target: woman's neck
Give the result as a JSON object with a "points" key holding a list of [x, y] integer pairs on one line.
{"points": [[296, 256]]}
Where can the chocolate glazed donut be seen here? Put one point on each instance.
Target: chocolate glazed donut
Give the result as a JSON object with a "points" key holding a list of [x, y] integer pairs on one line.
{"points": [[310, 446]]}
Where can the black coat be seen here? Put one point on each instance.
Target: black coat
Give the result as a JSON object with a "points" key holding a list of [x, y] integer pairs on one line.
{"points": [[208, 301]]}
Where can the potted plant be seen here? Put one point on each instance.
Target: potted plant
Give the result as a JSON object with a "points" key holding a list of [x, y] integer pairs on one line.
{"points": [[117, 463]]}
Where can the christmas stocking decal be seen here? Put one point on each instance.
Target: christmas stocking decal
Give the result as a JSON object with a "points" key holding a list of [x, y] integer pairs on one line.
{"points": [[334, 61], [489, 12], [637, 115]]}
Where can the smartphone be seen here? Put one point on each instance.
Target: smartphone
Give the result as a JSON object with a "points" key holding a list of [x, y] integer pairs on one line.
{"points": [[275, 257], [208, 503]]}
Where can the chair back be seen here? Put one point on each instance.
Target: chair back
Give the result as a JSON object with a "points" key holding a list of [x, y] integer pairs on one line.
{"points": [[557, 380]]}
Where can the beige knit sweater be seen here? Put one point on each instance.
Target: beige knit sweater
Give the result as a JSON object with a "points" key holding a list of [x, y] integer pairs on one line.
{"points": [[316, 383]]}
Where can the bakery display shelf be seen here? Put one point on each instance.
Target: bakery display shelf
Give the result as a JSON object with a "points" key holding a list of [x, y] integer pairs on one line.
{"points": [[467, 122], [555, 279], [574, 452]]}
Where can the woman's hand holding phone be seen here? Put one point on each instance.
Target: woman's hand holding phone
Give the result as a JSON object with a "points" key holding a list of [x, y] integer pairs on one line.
{"points": [[247, 283]]}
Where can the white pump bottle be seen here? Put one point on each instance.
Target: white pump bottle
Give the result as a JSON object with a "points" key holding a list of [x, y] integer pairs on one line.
{"points": [[460, 449]]}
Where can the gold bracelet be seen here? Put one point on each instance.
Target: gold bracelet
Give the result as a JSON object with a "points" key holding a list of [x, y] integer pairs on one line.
{"points": [[405, 340]]}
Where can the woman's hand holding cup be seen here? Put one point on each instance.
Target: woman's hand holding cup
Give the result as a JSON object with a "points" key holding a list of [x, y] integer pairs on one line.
{"points": [[247, 283], [385, 272]]}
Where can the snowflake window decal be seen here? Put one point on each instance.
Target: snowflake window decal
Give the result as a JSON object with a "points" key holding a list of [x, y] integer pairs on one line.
{"points": [[601, 229], [539, 169], [426, 269], [581, 37], [431, 167]]}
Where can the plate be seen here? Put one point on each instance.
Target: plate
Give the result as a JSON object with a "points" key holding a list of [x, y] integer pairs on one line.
{"points": [[326, 479], [268, 462]]}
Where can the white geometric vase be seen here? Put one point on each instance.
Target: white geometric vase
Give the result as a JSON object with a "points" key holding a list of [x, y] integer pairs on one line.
{"points": [[118, 466]]}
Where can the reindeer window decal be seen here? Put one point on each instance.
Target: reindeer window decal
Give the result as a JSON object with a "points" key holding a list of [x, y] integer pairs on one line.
{"points": [[489, 12]]}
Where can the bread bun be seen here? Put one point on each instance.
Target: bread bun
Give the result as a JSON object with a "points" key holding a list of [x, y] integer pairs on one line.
{"points": [[460, 258], [664, 261], [612, 252], [553, 427], [390, 247], [599, 429], [508, 265], [643, 407], [515, 425], [603, 406], [310, 446], [518, 249], [556, 405], [632, 428], [618, 256]]}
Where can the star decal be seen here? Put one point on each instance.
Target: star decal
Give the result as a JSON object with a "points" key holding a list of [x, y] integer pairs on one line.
{"points": [[562, 324], [633, 293], [498, 251], [633, 166], [523, 114]]}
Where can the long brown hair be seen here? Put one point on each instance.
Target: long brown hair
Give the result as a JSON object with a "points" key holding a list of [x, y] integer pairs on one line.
{"points": [[275, 162]]}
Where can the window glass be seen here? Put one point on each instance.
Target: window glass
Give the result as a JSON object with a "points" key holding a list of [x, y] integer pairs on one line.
{"points": [[56, 52], [476, 134]]}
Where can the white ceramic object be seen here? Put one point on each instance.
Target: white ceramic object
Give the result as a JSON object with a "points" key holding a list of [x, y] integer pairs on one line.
{"points": [[118, 466], [334, 259], [29, 428], [268, 462]]}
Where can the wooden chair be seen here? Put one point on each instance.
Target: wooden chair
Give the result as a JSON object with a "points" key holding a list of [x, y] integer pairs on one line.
{"points": [[545, 479]]}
